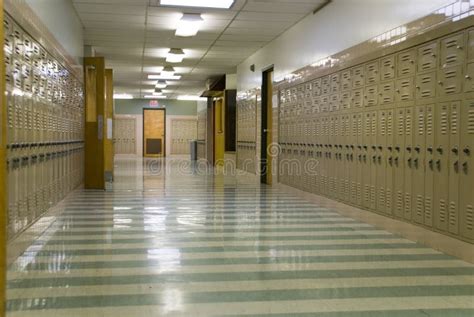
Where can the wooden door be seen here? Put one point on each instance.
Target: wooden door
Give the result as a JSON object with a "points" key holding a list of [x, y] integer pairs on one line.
{"points": [[154, 133]]}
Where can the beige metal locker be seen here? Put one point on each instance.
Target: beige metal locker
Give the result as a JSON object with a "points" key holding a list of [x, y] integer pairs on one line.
{"points": [[454, 167], [452, 50], [409, 158], [470, 45], [469, 78], [441, 167], [427, 56], [372, 73], [358, 77], [346, 80], [450, 81], [371, 96], [353, 158], [466, 175], [425, 85], [357, 98], [387, 68], [387, 93], [398, 162], [390, 125], [404, 89], [418, 164], [380, 161], [429, 164], [360, 159], [366, 165], [406, 63]]}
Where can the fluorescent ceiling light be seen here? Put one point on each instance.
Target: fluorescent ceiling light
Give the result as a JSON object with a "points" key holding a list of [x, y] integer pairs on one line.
{"points": [[123, 96], [154, 97], [161, 84], [175, 55], [167, 71], [189, 25], [175, 77], [220, 4], [191, 98]]}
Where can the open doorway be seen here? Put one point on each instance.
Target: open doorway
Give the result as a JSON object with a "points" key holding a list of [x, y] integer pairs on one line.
{"points": [[154, 132], [266, 129]]}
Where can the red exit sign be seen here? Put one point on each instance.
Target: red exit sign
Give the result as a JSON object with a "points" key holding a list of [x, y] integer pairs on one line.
{"points": [[154, 103]]}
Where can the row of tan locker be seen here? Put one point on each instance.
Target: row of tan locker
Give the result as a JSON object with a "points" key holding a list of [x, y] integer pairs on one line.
{"points": [[413, 163], [30, 68], [439, 68], [246, 120], [45, 128], [246, 156]]}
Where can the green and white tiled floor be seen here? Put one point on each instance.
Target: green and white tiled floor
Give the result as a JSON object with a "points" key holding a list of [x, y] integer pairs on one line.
{"points": [[189, 243]]}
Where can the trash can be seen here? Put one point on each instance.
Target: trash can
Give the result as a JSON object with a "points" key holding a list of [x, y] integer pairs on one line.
{"points": [[194, 150]]}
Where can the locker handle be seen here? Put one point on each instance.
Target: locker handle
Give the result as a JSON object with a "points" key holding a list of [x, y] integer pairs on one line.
{"points": [[456, 166], [390, 160], [409, 162], [416, 162], [374, 147], [467, 77], [397, 148], [464, 166], [430, 149], [417, 149], [454, 150], [466, 151], [430, 163], [380, 147], [408, 148], [438, 164], [439, 150], [389, 148]]}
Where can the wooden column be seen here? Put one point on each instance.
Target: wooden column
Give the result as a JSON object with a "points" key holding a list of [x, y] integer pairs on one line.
{"points": [[95, 127]]}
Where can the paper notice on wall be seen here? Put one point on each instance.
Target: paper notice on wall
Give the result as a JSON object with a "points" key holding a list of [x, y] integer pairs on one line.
{"points": [[275, 101], [109, 129], [100, 127]]}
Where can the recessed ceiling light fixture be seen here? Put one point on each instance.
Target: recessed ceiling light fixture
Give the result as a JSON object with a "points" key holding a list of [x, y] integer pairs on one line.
{"points": [[162, 77], [189, 25], [191, 98], [220, 4], [175, 55], [123, 96], [154, 97], [167, 71], [161, 84], [157, 92]]}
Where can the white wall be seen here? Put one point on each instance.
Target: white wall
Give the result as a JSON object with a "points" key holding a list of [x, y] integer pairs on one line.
{"points": [[340, 25], [62, 20]]}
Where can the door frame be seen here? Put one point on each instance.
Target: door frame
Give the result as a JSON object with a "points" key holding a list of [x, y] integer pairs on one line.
{"points": [[266, 127], [164, 129]]}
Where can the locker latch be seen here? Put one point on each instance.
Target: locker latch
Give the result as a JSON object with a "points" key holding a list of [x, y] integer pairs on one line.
{"points": [[466, 151]]}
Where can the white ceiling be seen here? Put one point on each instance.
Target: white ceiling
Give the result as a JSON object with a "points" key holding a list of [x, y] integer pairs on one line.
{"points": [[135, 35]]}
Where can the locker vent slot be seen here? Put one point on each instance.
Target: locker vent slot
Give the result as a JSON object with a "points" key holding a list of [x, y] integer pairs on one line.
{"points": [[419, 205], [452, 213], [429, 123], [444, 123], [399, 200], [421, 124], [442, 211], [454, 122], [469, 217], [470, 121], [388, 199], [428, 207]]}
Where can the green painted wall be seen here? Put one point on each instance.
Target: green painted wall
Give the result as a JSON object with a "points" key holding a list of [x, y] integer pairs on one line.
{"points": [[173, 107]]}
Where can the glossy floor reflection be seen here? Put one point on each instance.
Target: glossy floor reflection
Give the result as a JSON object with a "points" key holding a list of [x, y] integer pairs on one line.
{"points": [[174, 239]]}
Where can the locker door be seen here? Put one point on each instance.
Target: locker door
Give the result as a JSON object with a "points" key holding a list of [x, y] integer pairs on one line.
{"points": [[372, 74], [366, 180], [371, 96], [387, 65], [398, 162], [409, 157], [357, 98], [345, 100], [452, 50], [427, 57], [429, 164], [373, 160], [360, 159], [454, 168], [346, 80], [316, 87], [353, 158], [335, 82], [404, 89], [470, 45], [380, 160], [325, 85], [418, 166], [466, 177], [386, 93], [358, 77], [406, 63], [450, 81], [426, 85], [389, 162], [441, 178], [469, 78]]}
